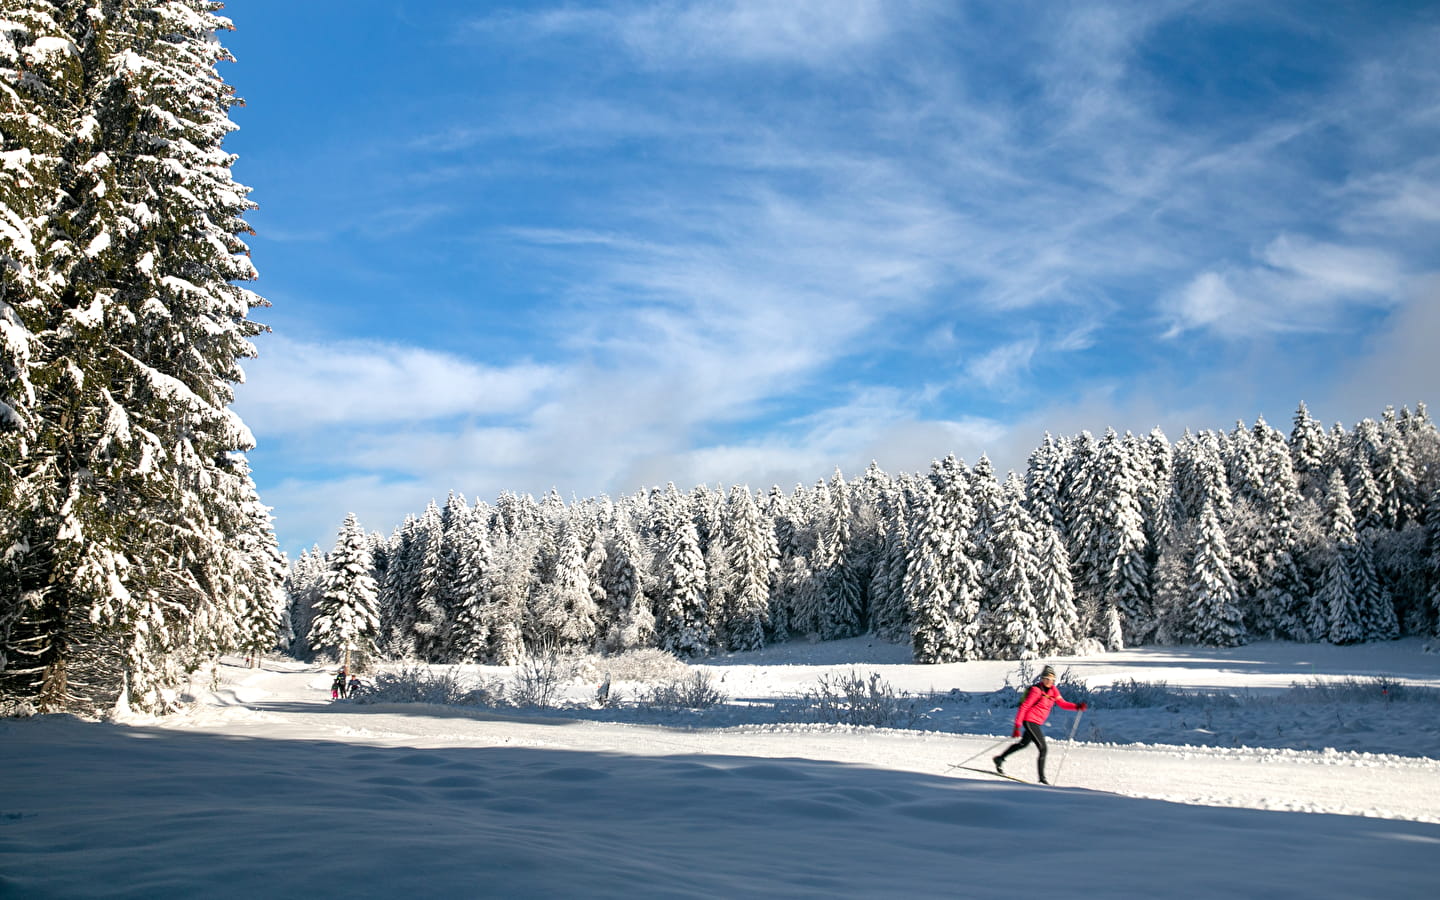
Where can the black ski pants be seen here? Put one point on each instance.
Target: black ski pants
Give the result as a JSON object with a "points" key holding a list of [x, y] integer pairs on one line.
{"points": [[1032, 734]]}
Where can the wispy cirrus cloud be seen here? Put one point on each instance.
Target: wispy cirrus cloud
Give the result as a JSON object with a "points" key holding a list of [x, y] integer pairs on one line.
{"points": [[1296, 285], [753, 241], [809, 32], [301, 386]]}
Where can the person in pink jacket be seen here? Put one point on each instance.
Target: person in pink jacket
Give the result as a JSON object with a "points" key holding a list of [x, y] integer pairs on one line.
{"points": [[1033, 711]]}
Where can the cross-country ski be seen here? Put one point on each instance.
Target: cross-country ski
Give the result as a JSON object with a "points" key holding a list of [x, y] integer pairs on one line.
{"points": [[990, 772]]}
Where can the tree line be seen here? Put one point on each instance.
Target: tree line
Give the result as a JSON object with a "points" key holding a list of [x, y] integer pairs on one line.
{"points": [[1217, 538]]}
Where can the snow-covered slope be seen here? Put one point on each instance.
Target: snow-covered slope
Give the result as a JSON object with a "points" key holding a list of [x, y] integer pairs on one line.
{"points": [[267, 789]]}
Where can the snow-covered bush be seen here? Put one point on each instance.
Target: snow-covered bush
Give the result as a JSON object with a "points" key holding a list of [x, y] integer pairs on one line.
{"points": [[1375, 689], [697, 691], [1132, 694], [649, 664], [852, 699], [538, 679], [424, 684]]}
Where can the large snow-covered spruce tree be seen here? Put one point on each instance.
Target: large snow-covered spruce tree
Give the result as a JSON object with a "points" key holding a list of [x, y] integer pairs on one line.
{"points": [[131, 542]]}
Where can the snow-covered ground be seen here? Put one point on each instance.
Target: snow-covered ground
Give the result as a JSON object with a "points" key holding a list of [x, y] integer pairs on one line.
{"points": [[264, 788]]}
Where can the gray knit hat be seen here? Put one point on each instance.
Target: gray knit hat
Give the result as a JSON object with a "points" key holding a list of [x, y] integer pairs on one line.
{"points": [[1048, 670]]}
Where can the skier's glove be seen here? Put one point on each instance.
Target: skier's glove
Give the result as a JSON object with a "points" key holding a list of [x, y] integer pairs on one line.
{"points": [[1084, 706], [1017, 731]]}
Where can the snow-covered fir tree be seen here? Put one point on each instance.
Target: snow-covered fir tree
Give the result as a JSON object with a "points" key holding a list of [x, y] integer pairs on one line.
{"points": [[889, 608], [625, 563], [682, 623], [1279, 602], [433, 602], [1157, 492], [1213, 601], [1054, 592], [1339, 595], [265, 624], [563, 615], [1108, 546], [303, 586], [400, 591], [777, 510], [472, 591], [810, 589], [512, 584], [753, 561], [596, 553], [1044, 480], [1308, 451], [1013, 628], [986, 500], [122, 336], [347, 616], [37, 87], [840, 612], [1377, 608], [942, 578]]}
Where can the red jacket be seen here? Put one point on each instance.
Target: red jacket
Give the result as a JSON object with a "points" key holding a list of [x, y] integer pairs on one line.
{"points": [[1037, 703]]}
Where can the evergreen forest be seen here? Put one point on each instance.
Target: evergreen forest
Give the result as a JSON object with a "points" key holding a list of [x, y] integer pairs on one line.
{"points": [[1218, 538]]}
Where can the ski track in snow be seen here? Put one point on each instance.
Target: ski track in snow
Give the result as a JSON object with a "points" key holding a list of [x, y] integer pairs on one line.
{"points": [[265, 788]]}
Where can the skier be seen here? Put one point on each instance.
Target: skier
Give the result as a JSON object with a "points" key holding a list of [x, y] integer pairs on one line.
{"points": [[353, 687], [1033, 712], [337, 687]]}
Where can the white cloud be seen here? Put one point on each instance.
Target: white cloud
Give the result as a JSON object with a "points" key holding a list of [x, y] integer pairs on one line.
{"points": [[1208, 302], [811, 32], [1317, 271], [1003, 364], [1300, 286], [299, 387]]}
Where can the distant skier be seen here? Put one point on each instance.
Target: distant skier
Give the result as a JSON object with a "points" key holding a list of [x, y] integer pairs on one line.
{"points": [[337, 687], [1033, 712], [353, 687]]}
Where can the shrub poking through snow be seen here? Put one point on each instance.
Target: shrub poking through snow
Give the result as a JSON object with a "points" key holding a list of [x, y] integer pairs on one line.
{"points": [[1374, 689], [425, 684], [697, 691], [649, 664], [538, 679], [853, 699]]}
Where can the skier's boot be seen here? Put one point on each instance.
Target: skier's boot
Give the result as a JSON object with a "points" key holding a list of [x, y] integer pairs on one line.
{"points": [[999, 764], [1042, 775]]}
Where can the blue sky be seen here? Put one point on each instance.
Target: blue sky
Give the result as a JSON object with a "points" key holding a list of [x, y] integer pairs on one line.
{"points": [[602, 246]]}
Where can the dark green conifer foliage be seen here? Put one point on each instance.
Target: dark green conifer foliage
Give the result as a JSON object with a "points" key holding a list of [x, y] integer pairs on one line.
{"points": [[139, 551]]}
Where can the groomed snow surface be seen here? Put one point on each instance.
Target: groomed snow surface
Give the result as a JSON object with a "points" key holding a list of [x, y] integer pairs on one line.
{"points": [[264, 788]]}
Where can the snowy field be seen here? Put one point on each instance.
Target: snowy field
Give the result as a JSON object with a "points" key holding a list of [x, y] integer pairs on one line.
{"points": [[1234, 785]]}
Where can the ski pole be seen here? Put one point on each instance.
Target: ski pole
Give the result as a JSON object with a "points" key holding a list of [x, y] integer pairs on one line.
{"points": [[982, 753], [1070, 740]]}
